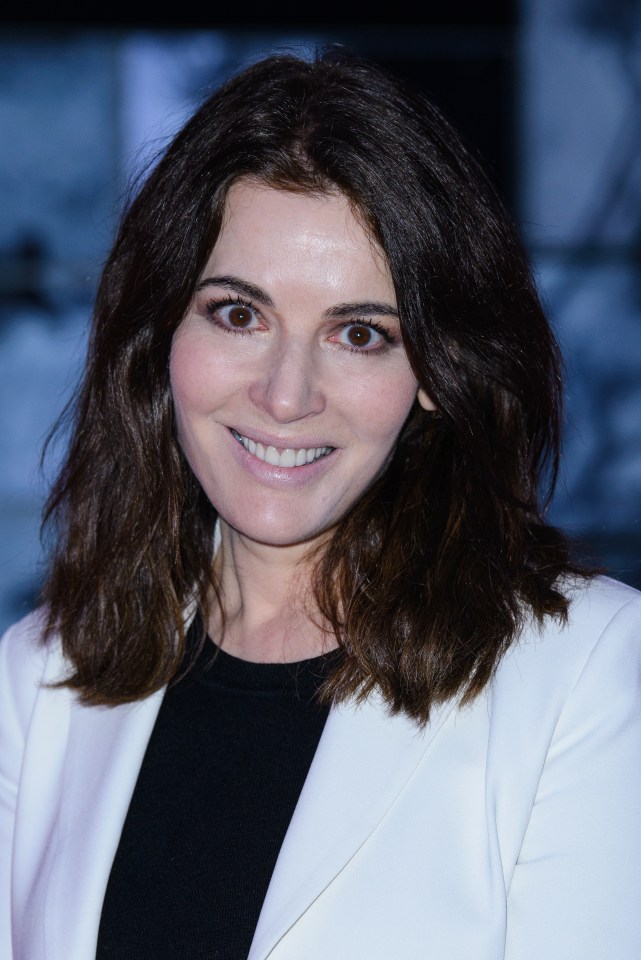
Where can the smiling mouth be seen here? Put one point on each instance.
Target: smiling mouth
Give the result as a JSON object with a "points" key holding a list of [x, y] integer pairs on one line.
{"points": [[287, 457]]}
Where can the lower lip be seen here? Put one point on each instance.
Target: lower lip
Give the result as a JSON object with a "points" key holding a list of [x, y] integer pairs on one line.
{"points": [[281, 476]]}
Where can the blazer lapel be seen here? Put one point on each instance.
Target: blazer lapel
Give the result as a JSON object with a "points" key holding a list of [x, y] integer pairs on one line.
{"points": [[364, 759], [86, 782], [104, 753]]}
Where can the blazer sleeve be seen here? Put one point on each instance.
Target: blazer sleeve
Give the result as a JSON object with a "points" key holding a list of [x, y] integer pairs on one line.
{"points": [[21, 668], [576, 890]]}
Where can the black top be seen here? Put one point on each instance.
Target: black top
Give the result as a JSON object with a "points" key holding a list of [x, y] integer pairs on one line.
{"points": [[221, 776]]}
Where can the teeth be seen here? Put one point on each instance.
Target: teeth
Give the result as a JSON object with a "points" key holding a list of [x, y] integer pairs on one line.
{"points": [[288, 458], [283, 458]]}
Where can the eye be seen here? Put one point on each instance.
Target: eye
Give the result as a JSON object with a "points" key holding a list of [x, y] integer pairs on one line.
{"points": [[235, 316], [239, 316], [362, 337]]}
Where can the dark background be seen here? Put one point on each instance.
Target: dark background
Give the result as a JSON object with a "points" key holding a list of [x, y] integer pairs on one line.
{"points": [[547, 92]]}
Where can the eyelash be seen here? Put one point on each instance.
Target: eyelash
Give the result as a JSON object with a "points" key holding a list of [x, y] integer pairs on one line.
{"points": [[388, 339], [214, 305]]}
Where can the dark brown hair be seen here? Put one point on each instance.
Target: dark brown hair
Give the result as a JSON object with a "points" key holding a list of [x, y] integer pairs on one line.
{"points": [[427, 580]]}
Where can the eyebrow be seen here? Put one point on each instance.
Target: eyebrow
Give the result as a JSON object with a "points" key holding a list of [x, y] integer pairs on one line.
{"points": [[338, 312], [376, 307], [239, 286]]}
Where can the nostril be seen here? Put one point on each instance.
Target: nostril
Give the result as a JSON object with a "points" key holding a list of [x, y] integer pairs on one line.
{"points": [[287, 394]]}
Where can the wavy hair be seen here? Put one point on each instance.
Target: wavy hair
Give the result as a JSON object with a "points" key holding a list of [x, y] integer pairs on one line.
{"points": [[427, 580]]}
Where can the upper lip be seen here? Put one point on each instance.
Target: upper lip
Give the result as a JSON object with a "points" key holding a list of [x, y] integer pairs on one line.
{"points": [[283, 443]]}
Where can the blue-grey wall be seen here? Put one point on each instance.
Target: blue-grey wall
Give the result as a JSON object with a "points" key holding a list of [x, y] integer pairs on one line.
{"points": [[81, 113]]}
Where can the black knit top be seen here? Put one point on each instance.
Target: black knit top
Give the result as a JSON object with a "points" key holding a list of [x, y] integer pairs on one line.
{"points": [[221, 776]]}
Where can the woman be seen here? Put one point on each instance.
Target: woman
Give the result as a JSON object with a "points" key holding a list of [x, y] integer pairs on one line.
{"points": [[312, 673]]}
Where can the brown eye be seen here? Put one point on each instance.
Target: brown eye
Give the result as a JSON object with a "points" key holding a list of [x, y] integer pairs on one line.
{"points": [[359, 336], [239, 316]]}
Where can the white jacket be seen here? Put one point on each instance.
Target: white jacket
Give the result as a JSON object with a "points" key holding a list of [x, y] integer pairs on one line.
{"points": [[507, 830]]}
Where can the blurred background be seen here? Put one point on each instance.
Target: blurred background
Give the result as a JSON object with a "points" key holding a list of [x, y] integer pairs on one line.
{"points": [[549, 92]]}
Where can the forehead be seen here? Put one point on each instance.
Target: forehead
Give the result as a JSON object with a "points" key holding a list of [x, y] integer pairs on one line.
{"points": [[266, 230]]}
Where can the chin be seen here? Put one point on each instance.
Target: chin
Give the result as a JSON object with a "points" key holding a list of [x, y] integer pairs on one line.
{"points": [[274, 532]]}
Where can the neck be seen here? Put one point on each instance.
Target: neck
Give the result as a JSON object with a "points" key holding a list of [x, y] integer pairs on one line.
{"points": [[267, 599]]}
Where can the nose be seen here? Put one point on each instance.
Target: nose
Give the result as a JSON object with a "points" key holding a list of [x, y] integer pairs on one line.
{"points": [[287, 386]]}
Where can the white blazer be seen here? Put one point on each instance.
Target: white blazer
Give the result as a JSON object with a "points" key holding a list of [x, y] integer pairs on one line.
{"points": [[507, 830]]}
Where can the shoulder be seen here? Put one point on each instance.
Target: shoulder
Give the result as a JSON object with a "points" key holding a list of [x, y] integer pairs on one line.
{"points": [[603, 636], [585, 671], [26, 663], [564, 715], [577, 678], [604, 620], [594, 604]]}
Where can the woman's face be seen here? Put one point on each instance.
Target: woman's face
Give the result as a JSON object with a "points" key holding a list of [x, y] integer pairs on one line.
{"points": [[289, 376]]}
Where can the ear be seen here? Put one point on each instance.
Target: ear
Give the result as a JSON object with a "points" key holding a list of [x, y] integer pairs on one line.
{"points": [[424, 400]]}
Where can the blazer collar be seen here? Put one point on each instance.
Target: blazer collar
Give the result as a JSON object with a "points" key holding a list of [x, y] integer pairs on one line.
{"points": [[364, 759], [105, 747], [104, 751]]}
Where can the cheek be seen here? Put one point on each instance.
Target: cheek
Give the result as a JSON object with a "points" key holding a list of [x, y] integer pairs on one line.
{"points": [[182, 363], [204, 372], [189, 393], [191, 375], [379, 413]]}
